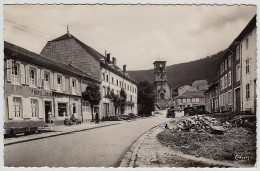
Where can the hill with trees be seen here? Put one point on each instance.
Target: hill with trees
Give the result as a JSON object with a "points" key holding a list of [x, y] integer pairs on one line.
{"points": [[184, 73]]}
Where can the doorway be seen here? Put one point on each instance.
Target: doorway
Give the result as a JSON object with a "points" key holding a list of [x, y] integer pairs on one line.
{"points": [[48, 109], [237, 100]]}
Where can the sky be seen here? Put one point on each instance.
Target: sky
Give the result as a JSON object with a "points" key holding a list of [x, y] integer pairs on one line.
{"points": [[136, 35]]}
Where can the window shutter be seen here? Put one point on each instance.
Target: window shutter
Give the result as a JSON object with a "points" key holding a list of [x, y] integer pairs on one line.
{"points": [[26, 103], [39, 78], [40, 109], [77, 87], [27, 74], [63, 83], [55, 81], [22, 73], [10, 107], [42, 78], [9, 70], [51, 80], [70, 85]]}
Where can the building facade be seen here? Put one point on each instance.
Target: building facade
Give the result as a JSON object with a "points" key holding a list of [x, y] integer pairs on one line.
{"points": [[189, 99], [161, 87], [69, 50], [211, 98], [237, 73], [36, 86]]}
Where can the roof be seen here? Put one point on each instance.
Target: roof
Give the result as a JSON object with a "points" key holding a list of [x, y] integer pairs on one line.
{"points": [[159, 60], [191, 94], [37, 59], [250, 26], [211, 86], [89, 49], [101, 58]]}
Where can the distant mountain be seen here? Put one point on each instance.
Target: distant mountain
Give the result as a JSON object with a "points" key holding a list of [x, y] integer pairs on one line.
{"points": [[184, 73]]}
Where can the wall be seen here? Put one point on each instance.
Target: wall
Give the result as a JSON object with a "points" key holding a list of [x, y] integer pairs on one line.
{"points": [[249, 78], [39, 92], [114, 83]]}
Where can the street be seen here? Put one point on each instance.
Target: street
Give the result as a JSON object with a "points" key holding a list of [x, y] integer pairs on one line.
{"points": [[101, 147]]}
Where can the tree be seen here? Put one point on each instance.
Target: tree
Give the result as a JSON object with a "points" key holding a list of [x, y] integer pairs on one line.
{"points": [[145, 98], [93, 95], [123, 100], [116, 100]]}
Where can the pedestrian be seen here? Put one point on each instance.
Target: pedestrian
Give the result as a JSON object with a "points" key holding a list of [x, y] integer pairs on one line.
{"points": [[96, 117], [166, 126], [50, 116]]}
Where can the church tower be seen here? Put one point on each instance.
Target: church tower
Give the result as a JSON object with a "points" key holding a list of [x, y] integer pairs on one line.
{"points": [[162, 89]]}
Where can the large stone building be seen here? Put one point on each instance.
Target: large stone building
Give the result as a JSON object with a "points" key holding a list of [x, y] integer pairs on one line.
{"points": [[162, 89], [36, 86], [70, 50]]}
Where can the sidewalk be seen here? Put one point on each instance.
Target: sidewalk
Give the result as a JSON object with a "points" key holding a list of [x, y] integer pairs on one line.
{"points": [[53, 131], [147, 151]]}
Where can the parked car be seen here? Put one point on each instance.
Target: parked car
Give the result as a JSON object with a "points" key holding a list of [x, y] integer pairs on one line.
{"points": [[189, 111], [170, 113]]}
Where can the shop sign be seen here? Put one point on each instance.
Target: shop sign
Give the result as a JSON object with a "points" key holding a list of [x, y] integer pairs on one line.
{"points": [[37, 92]]}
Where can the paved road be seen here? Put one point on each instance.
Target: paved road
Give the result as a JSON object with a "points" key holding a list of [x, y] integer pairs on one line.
{"points": [[101, 147]]}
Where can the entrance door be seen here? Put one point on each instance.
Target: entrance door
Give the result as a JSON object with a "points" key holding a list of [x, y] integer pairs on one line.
{"points": [[47, 105], [238, 100]]}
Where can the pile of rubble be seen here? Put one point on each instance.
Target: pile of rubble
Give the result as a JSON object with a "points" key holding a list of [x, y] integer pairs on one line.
{"points": [[201, 123]]}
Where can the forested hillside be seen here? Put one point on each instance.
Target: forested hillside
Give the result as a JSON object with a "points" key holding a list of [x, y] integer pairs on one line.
{"points": [[184, 73]]}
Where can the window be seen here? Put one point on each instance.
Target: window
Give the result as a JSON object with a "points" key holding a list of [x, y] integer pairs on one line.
{"points": [[247, 91], [117, 82], [86, 107], [229, 78], [107, 77], [226, 64], [247, 66], [32, 76], [104, 77], [73, 83], [225, 83], [229, 61], [220, 100], [62, 109], [184, 100], [34, 107], [59, 80], [112, 80], [246, 43], [237, 53], [104, 91], [17, 107], [197, 100], [46, 79], [238, 72], [230, 97], [15, 73]]}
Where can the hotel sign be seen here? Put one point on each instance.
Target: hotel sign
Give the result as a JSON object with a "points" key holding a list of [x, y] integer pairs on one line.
{"points": [[37, 92]]}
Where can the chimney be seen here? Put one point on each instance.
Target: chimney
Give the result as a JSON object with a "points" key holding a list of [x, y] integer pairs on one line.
{"points": [[124, 68], [114, 60], [108, 58]]}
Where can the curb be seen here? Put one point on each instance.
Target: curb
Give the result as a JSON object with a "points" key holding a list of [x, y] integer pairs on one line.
{"points": [[138, 142], [58, 134]]}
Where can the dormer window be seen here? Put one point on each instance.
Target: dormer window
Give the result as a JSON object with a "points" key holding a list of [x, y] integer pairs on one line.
{"points": [[59, 80]]}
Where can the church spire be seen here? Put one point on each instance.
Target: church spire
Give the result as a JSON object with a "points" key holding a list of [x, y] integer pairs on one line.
{"points": [[68, 29]]}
